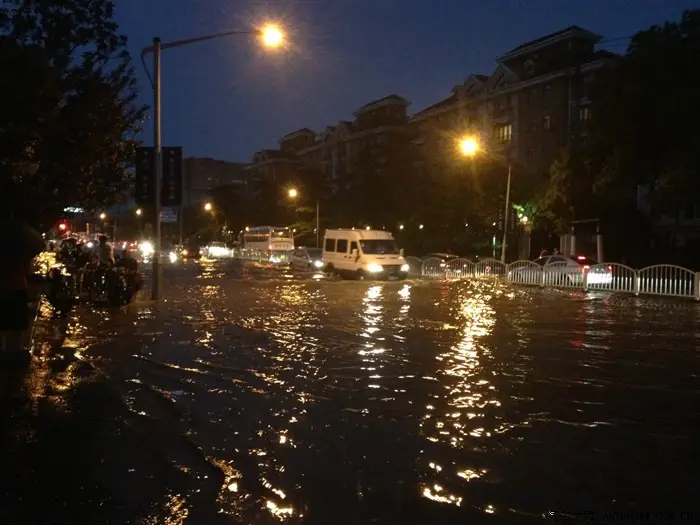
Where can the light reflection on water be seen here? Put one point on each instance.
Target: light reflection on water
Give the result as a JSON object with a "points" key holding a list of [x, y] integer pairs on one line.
{"points": [[357, 401]]}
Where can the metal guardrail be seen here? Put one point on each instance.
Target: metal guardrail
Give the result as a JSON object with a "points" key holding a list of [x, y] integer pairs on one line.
{"points": [[661, 279]]}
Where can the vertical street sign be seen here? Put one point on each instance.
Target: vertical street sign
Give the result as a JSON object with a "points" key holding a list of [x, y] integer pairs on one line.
{"points": [[144, 190], [171, 187]]}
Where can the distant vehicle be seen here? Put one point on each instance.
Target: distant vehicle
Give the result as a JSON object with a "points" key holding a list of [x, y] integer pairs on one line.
{"points": [[188, 251], [363, 254], [569, 270], [271, 243], [217, 250], [447, 263], [307, 259]]}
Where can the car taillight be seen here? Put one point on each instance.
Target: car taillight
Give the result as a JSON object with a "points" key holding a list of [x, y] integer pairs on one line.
{"points": [[610, 269]]}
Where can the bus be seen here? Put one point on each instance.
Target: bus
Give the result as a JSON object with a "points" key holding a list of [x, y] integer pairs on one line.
{"points": [[271, 243]]}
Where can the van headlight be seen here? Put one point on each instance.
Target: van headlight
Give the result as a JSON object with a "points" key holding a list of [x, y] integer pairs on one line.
{"points": [[374, 268], [318, 264], [405, 267]]}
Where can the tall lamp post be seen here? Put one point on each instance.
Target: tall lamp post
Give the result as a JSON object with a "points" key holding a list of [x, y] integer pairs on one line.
{"points": [[293, 194], [469, 147], [271, 37]]}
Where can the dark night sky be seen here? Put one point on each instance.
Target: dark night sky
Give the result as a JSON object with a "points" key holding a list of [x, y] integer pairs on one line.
{"points": [[228, 98]]}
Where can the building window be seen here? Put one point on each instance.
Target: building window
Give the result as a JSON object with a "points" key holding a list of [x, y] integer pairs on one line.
{"points": [[584, 114], [546, 92], [546, 122], [533, 125], [504, 133]]}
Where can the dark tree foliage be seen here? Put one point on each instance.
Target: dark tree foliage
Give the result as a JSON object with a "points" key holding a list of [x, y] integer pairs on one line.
{"points": [[68, 107], [645, 107]]}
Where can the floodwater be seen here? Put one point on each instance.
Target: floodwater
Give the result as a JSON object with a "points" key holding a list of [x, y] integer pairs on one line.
{"points": [[261, 397]]}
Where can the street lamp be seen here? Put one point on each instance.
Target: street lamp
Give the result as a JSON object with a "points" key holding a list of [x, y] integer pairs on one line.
{"points": [[139, 212], [469, 147], [271, 37], [103, 216], [293, 194], [208, 206]]}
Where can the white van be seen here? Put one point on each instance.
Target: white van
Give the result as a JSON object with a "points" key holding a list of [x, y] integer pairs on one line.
{"points": [[363, 254]]}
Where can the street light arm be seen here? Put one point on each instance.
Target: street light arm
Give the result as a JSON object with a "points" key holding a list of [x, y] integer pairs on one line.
{"points": [[179, 43]]}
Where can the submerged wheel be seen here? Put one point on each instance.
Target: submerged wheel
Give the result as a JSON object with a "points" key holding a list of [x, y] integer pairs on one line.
{"points": [[360, 275]]}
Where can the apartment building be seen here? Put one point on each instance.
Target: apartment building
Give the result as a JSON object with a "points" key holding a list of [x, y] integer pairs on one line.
{"points": [[533, 104], [377, 126], [202, 175]]}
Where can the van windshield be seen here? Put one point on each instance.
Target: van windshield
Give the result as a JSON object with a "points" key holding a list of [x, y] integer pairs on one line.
{"points": [[379, 247]]}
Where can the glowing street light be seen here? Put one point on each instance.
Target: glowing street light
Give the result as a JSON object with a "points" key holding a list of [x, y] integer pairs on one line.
{"points": [[208, 206], [271, 36], [468, 146], [103, 216], [139, 211], [293, 194]]}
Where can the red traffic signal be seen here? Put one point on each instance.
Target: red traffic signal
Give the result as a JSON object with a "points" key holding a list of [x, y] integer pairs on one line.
{"points": [[62, 226]]}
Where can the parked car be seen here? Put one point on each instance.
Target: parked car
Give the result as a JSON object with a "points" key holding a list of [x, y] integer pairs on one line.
{"points": [[567, 270], [447, 265]]}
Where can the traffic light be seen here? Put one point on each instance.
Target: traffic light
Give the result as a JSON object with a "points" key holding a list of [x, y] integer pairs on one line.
{"points": [[63, 226]]}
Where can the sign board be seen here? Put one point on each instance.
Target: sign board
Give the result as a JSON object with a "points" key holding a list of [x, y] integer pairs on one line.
{"points": [[171, 188], [144, 193], [171, 182], [168, 215]]}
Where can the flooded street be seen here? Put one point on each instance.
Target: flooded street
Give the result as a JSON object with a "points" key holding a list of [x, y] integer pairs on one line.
{"points": [[264, 397]]}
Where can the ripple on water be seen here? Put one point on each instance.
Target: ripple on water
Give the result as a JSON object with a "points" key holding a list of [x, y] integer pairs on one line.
{"points": [[360, 401]]}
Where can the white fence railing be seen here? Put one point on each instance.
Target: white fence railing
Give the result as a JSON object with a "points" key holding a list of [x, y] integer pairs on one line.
{"points": [[661, 279]]}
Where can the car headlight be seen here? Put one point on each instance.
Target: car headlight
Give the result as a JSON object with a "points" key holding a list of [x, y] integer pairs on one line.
{"points": [[146, 248], [172, 256], [404, 267], [318, 264], [374, 268]]}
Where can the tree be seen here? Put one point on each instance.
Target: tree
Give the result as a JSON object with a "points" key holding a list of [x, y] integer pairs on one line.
{"points": [[69, 107], [642, 109]]}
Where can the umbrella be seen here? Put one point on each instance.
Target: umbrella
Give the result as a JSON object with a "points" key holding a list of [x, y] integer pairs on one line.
{"points": [[20, 243]]}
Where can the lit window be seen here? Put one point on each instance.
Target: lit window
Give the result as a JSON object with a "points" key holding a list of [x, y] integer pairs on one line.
{"points": [[546, 122], [504, 133]]}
